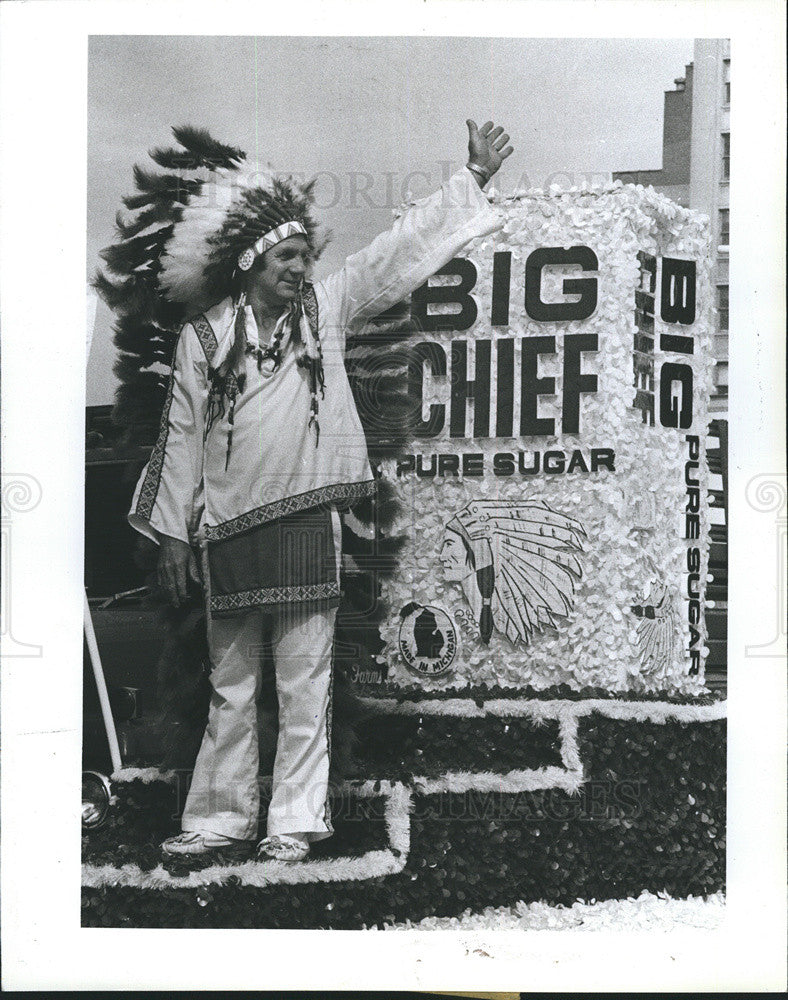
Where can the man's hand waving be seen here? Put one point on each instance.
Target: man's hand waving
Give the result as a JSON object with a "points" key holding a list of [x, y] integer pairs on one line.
{"points": [[487, 150]]}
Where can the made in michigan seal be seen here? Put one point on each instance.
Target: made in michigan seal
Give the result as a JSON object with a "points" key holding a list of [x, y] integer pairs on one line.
{"points": [[427, 639]]}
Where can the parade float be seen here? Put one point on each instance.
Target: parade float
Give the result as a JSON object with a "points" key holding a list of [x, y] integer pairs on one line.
{"points": [[534, 726]]}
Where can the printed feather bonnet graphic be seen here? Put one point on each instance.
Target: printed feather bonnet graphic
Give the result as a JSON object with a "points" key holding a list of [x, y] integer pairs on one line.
{"points": [[656, 630], [526, 558]]}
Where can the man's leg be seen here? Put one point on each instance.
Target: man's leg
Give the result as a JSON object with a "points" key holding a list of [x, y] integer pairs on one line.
{"points": [[224, 797], [302, 642]]}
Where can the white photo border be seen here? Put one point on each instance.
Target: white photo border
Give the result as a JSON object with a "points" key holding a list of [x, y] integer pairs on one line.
{"points": [[42, 281]]}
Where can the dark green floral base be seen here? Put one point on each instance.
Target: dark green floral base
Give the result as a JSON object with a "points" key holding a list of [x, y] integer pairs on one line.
{"points": [[650, 815]]}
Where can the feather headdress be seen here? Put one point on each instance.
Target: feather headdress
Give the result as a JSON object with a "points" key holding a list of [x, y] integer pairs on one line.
{"points": [[526, 561], [233, 216], [189, 235], [189, 227]]}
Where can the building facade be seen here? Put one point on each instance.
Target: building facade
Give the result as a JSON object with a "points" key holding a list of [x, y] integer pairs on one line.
{"points": [[673, 178], [710, 181]]}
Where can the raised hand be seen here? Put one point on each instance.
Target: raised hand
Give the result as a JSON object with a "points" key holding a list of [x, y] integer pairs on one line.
{"points": [[487, 148]]}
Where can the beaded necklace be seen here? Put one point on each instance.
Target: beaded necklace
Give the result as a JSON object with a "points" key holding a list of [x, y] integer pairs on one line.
{"points": [[229, 379]]}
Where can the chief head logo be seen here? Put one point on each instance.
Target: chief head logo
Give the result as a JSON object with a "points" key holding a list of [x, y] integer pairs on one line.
{"points": [[427, 639], [518, 565]]}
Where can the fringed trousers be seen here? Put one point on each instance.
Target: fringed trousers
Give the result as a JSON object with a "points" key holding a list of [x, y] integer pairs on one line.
{"points": [[224, 797]]}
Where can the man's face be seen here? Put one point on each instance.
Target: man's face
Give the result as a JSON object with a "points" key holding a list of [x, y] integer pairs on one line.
{"points": [[453, 557], [279, 271]]}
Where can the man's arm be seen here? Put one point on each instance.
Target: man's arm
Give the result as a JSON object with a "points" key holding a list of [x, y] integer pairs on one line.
{"points": [[163, 507], [424, 238]]}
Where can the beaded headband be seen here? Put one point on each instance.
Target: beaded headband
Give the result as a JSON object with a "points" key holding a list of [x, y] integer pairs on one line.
{"points": [[268, 240]]}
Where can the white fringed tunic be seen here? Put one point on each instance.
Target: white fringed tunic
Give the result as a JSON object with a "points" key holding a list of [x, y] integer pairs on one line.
{"points": [[275, 470]]}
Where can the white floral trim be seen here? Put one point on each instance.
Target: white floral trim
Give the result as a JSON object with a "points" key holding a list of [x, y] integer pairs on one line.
{"points": [[532, 780], [145, 774], [648, 912], [537, 710], [373, 864]]}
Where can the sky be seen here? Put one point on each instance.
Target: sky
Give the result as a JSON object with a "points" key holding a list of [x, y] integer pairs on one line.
{"points": [[375, 119]]}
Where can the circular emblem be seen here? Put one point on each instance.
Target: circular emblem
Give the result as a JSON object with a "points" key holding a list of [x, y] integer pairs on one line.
{"points": [[427, 639], [246, 259]]}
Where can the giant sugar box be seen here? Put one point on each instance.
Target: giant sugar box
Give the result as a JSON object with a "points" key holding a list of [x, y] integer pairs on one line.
{"points": [[554, 491]]}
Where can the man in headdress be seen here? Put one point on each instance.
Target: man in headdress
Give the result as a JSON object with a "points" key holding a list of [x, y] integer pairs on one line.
{"points": [[259, 445]]}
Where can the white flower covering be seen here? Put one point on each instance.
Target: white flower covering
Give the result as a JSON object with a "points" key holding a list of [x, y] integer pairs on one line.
{"points": [[646, 913], [633, 517]]}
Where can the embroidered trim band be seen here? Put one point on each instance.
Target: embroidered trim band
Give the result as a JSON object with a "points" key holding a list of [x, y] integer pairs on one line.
{"points": [[206, 336], [150, 488], [289, 505], [274, 595], [329, 716], [268, 240]]}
